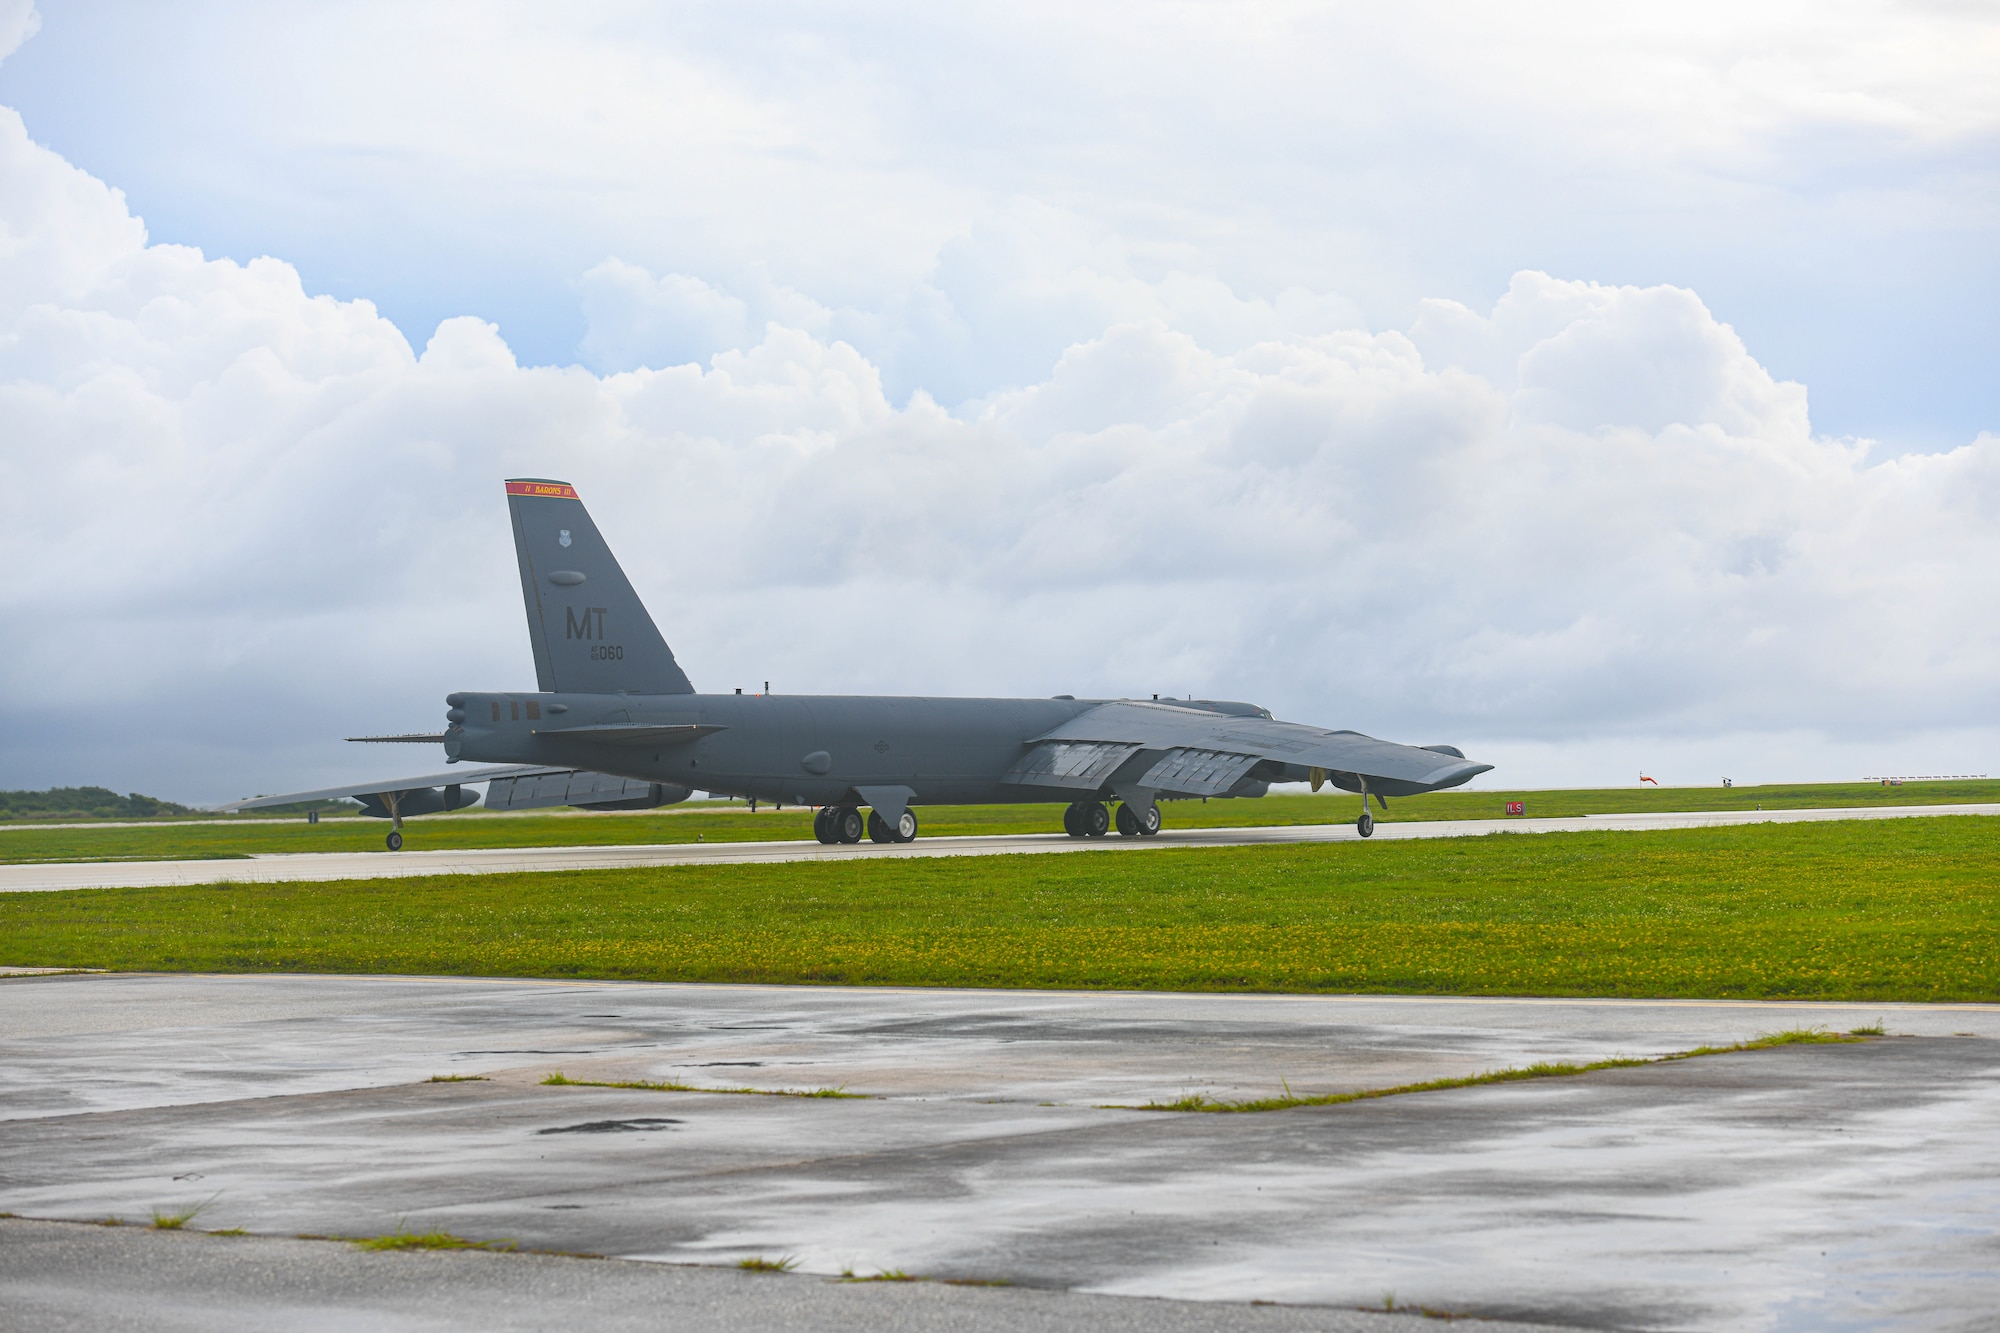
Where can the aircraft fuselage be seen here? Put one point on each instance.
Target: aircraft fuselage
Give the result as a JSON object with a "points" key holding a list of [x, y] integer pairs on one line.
{"points": [[792, 748]]}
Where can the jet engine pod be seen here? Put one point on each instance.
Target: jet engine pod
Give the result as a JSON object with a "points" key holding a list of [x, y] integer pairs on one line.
{"points": [[404, 804]]}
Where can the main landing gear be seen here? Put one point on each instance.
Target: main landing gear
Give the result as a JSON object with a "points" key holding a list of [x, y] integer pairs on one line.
{"points": [[1138, 822], [843, 823], [1086, 819], [1090, 819], [903, 830], [838, 823], [395, 840]]}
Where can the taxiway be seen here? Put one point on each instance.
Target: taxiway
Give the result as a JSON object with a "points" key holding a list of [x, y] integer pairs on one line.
{"points": [[321, 866]]}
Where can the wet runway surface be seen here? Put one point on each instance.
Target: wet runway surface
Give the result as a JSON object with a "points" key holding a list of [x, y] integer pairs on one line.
{"points": [[320, 866], [1799, 1187], [58, 1277]]}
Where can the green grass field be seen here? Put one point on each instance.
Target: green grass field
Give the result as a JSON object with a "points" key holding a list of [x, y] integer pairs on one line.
{"points": [[1908, 910], [176, 840]]}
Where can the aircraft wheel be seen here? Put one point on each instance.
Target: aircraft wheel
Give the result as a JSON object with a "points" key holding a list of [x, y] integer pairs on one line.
{"points": [[846, 824], [395, 841], [1128, 823], [878, 829], [1149, 821], [1365, 825], [906, 827], [823, 824], [1096, 820], [1073, 820]]}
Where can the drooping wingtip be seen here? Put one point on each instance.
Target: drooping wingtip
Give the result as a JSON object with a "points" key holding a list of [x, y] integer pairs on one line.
{"points": [[1455, 775]]}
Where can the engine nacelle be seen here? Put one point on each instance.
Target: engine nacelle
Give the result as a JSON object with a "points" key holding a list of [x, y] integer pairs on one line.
{"points": [[417, 801]]}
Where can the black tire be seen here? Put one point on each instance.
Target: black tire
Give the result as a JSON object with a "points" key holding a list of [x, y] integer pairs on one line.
{"points": [[1365, 825], [823, 824], [395, 841], [1096, 819], [1128, 823], [847, 825], [1073, 820], [878, 829], [906, 827], [1149, 821]]}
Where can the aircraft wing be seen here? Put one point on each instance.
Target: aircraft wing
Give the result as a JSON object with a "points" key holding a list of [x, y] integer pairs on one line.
{"points": [[361, 790], [1181, 751]]}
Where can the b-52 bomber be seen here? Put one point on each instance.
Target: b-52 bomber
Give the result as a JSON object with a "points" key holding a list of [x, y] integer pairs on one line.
{"points": [[616, 724]]}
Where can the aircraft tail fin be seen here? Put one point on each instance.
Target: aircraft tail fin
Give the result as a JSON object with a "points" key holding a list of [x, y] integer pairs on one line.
{"points": [[591, 633]]}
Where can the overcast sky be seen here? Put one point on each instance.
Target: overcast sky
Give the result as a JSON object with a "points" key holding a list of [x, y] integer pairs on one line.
{"points": [[1595, 387]]}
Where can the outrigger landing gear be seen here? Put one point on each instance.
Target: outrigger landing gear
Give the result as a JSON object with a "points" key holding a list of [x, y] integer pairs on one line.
{"points": [[1087, 819], [1365, 825], [395, 840]]}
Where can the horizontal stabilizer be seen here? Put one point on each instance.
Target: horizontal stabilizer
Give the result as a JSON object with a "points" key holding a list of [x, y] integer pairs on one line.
{"points": [[437, 739]]}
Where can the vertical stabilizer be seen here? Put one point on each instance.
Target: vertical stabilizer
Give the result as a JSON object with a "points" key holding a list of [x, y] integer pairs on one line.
{"points": [[590, 631]]}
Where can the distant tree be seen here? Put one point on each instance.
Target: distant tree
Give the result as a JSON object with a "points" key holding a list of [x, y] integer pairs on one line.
{"points": [[84, 803]]}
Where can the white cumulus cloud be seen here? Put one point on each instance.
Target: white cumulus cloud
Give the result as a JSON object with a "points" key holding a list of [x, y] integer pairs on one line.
{"points": [[242, 521]]}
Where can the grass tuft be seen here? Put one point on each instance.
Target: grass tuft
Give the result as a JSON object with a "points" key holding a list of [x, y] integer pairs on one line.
{"points": [[164, 1221], [230, 1231], [1540, 1069], [898, 1275], [1875, 1029], [759, 1264], [458, 1078], [428, 1240], [560, 1080]]}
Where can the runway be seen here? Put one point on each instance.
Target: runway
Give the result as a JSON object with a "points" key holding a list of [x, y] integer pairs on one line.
{"points": [[988, 1138], [318, 866]]}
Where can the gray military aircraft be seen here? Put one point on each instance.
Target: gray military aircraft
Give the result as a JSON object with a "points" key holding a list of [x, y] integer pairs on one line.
{"points": [[615, 723]]}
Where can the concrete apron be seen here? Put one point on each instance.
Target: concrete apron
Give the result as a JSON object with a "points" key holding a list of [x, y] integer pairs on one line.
{"points": [[1801, 1186]]}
